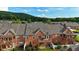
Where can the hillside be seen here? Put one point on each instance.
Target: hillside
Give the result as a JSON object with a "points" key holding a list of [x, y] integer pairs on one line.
{"points": [[11, 15], [29, 18]]}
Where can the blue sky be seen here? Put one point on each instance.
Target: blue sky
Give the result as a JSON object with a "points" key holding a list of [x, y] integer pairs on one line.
{"points": [[51, 12]]}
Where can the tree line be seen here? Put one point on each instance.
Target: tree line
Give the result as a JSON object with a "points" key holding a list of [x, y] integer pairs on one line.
{"points": [[29, 18]]}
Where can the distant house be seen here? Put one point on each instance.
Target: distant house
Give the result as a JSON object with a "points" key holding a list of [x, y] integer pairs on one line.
{"points": [[68, 31]]}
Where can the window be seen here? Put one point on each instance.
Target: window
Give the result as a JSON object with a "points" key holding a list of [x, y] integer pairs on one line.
{"points": [[6, 38], [10, 38], [13, 37], [3, 46]]}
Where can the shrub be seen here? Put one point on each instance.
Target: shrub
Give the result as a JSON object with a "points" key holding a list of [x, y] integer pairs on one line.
{"points": [[58, 47]]}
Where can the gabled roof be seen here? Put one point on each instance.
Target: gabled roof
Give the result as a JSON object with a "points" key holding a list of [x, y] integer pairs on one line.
{"points": [[68, 31], [19, 29], [46, 28], [68, 24], [31, 28], [10, 30]]}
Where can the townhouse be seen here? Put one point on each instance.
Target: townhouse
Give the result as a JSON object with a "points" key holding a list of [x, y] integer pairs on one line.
{"points": [[37, 33]]}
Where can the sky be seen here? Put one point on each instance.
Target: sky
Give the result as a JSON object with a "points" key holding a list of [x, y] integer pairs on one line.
{"points": [[3, 8], [51, 12]]}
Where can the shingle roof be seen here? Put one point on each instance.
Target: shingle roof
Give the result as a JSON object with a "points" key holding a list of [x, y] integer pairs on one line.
{"points": [[46, 28], [30, 28], [4, 26], [71, 24], [18, 28]]}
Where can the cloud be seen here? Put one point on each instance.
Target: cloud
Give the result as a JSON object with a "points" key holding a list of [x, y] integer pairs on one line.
{"points": [[56, 8], [40, 10], [42, 15], [3, 8], [61, 8], [59, 16], [26, 11]]}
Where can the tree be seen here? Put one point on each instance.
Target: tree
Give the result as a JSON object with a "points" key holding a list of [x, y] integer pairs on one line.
{"points": [[49, 21], [29, 20], [18, 21]]}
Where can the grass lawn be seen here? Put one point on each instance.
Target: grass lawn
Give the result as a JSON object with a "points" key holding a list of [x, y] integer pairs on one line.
{"points": [[45, 49], [75, 30], [77, 38]]}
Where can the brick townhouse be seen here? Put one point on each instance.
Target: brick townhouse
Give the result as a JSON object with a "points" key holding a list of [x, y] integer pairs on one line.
{"points": [[38, 34]]}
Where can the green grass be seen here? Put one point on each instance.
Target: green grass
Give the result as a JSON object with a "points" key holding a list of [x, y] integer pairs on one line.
{"points": [[77, 38], [75, 30], [45, 49]]}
